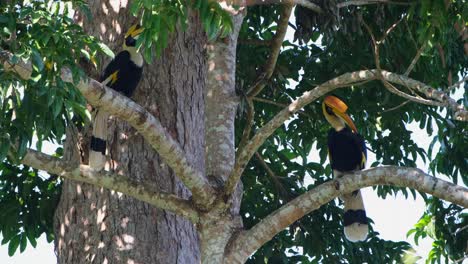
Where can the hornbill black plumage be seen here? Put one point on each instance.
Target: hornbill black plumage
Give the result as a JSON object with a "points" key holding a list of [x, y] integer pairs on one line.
{"points": [[122, 74], [347, 152]]}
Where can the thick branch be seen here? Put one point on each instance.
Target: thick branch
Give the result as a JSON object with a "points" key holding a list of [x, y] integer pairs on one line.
{"points": [[247, 242], [144, 122], [344, 80], [139, 190]]}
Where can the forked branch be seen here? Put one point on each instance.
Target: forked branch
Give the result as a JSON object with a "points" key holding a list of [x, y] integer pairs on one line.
{"points": [[247, 242]]}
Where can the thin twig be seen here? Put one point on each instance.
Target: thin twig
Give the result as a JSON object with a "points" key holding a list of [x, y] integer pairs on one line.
{"points": [[396, 107], [276, 44], [263, 100], [281, 190], [411, 34], [420, 100], [375, 45], [248, 126], [369, 2], [415, 59], [254, 42], [266, 101], [390, 29], [455, 85]]}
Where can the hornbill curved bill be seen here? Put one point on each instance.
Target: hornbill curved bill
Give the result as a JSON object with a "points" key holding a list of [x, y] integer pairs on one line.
{"points": [[347, 153], [122, 74]]}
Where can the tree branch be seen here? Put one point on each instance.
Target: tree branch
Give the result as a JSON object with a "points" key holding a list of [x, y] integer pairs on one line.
{"points": [[143, 191], [281, 190], [343, 80], [305, 3], [314, 7], [249, 120], [144, 122], [459, 112], [415, 59], [254, 42], [457, 84], [247, 242], [369, 2], [266, 101], [276, 44], [416, 99]]}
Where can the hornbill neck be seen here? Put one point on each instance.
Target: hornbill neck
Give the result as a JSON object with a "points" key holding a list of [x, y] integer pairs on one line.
{"points": [[337, 123], [135, 56]]}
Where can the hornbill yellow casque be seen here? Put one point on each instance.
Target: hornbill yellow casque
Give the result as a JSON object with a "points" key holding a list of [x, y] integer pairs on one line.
{"points": [[122, 74], [347, 152]]}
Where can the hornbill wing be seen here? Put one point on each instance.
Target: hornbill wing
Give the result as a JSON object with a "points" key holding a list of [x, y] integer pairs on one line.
{"points": [[347, 150], [360, 142], [116, 65]]}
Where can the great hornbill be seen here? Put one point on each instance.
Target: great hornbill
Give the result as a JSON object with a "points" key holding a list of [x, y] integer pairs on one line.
{"points": [[347, 152], [122, 74]]}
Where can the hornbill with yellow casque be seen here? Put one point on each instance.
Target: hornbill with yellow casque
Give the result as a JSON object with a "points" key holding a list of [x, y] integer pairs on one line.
{"points": [[122, 74], [347, 153]]}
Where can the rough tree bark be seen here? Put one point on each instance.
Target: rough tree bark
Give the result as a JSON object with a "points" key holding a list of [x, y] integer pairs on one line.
{"points": [[217, 226], [100, 226]]}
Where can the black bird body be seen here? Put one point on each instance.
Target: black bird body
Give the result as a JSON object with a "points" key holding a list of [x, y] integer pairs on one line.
{"points": [[124, 74], [347, 150]]}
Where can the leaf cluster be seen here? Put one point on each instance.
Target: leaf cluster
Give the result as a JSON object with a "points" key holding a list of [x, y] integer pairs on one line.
{"points": [[161, 18], [447, 226], [27, 206], [41, 32]]}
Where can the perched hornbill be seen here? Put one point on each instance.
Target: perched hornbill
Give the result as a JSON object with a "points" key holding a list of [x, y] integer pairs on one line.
{"points": [[122, 74], [347, 153]]}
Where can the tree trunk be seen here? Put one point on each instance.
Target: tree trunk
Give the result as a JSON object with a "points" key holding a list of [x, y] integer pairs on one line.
{"points": [[95, 225]]}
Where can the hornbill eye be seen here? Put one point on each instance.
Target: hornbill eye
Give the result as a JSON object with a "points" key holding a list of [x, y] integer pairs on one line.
{"points": [[329, 110], [130, 42]]}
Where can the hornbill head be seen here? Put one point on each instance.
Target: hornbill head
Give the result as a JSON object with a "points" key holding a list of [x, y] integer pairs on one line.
{"points": [[335, 112], [132, 35]]}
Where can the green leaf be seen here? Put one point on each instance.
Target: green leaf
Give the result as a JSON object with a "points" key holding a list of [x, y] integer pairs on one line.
{"points": [[3, 19], [31, 238], [37, 62], [106, 50], [57, 106], [23, 243], [13, 245]]}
